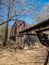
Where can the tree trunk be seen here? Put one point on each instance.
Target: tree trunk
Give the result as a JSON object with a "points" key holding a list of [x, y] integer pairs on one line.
{"points": [[6, 35]]}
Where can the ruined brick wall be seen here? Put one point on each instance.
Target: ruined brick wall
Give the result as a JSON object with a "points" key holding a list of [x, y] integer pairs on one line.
{"points": [[17, 26]]}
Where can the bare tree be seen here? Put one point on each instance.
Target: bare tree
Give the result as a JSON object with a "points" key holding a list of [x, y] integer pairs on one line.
{"points": [[44, 14], [16, 9]]}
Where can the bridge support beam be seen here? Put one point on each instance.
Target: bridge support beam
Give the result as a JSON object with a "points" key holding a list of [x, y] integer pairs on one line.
{"points": [[43, 38]]}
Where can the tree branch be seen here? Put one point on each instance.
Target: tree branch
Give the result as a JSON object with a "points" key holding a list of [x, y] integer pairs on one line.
{"points": [[10, 19]]}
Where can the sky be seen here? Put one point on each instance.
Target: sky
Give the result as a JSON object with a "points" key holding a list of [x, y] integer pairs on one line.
{"points": [[39, 4]]}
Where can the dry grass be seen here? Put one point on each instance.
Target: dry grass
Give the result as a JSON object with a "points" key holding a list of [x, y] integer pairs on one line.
{"points": [[22, 57]]}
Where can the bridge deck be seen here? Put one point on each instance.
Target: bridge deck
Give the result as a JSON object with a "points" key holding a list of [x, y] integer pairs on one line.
{"points": [[42, 26]]}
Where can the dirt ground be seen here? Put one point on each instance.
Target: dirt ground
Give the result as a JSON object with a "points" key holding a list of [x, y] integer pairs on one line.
{"points": [[33, 56]]}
